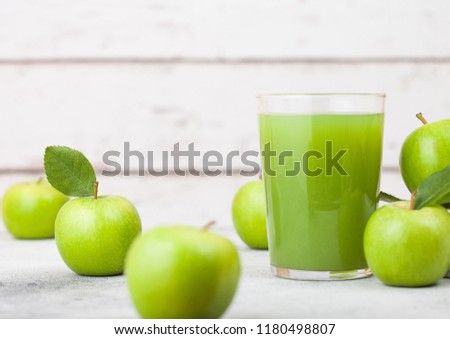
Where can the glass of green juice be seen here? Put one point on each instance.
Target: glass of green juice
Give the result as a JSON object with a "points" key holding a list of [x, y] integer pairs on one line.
{"points": [[321, 159]]}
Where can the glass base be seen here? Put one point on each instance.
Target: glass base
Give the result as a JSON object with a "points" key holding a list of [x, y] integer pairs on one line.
{"points": [[320, 275]]}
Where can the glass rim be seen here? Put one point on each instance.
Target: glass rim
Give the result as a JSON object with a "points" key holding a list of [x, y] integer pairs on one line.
{"points": [[313, 103], [325, 94]]}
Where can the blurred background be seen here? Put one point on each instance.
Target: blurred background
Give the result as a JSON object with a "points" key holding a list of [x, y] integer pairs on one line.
{"points": [[94, 74]]}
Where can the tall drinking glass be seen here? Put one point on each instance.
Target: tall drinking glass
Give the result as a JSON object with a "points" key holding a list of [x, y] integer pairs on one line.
{"points": [[321, 159]]}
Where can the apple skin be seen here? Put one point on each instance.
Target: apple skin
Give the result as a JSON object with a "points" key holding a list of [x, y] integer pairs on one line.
{"points": [[425, 151], [182, 272], [29, 209], [249, 214], [94, 235], [406, 247]]}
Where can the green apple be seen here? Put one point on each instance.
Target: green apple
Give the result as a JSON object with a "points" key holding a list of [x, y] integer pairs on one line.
{"points": [[249, 214], [93, 234], [182, 272], [406, 247], [29, 209], [425, 151]]}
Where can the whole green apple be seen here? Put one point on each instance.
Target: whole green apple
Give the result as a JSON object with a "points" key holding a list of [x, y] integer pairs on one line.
{"points": [[182, 272], [249, 214], [93, 235], [406, 247], [425, 151], [29, 209]]}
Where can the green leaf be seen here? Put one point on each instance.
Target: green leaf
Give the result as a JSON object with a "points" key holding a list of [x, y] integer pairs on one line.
{"points": [[435, 189], [386, 197], [69, 171]]}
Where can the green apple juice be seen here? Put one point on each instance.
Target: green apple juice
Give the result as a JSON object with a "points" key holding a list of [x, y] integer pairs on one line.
{"points": [[321, 192]]}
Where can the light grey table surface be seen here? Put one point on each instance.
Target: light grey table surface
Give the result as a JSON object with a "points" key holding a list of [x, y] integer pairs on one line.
{"points": [[35, 283]]}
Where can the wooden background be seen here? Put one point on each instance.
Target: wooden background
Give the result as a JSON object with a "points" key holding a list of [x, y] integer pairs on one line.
{"points": [[93, 74]]}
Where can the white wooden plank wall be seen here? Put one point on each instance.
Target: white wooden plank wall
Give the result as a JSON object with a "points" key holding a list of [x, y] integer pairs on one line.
{"points": [[93, 74]]}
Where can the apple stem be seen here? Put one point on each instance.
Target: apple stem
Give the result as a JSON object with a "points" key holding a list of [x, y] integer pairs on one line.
{"points": [[260, 177], [421, 118], [96, 189], [208, 225], [411, 202]]}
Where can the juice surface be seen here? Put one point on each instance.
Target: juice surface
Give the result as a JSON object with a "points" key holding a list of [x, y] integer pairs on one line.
{"points": [[316, 214]]}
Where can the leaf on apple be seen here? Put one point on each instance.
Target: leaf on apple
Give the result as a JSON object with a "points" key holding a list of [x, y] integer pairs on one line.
{"points": [[386, 197], [435, 189], [69, 171]]}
